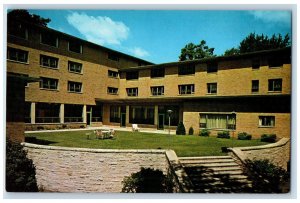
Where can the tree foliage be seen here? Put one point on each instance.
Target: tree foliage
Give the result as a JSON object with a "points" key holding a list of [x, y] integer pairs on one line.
{"points": [[193, 51], [180, 129], [254, 42], [147, 180], [24, 15], [20, 171]]}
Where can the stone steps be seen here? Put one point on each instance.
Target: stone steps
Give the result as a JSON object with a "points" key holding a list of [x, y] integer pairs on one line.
{"points": [[215, 174]]}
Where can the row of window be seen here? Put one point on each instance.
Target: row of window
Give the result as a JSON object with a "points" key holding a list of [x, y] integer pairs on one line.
{"points": [[189, 69], [52, 84], [274, 85], [228, 121]]}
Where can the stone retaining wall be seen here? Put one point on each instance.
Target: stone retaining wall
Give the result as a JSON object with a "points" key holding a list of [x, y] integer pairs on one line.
{"points": [[64, 169], [278, 153]]}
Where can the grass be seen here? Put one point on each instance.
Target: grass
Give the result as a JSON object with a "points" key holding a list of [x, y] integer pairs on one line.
{"points": [[187, 145]]}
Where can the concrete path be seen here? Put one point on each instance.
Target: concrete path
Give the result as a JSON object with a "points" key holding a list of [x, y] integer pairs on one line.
{"points": [[105, 127]]}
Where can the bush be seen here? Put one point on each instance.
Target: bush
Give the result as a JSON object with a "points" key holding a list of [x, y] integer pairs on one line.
{"points": [[191, 131], [268, 138], [224, 134], [20, 171], [180, 129], [147, 180], [244, 136], [266, 177], [204, 132]]}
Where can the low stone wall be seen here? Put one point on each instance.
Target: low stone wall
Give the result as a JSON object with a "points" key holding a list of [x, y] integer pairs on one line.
{"points": [[278, 153], [64, 169], [53, 126]]}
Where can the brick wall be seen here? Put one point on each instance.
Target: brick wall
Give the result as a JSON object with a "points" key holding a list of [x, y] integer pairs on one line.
{"points": [[62, 169], [278, 153]]}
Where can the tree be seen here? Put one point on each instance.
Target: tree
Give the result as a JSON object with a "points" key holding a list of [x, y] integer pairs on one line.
{"points": [[20, 171], [180, 129], [192, 51], [24, 15], [254, 42]]}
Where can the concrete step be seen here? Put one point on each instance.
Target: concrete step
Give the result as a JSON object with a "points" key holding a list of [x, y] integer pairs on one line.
{"points": [[211, 165], [204, 161], [204, 157]]}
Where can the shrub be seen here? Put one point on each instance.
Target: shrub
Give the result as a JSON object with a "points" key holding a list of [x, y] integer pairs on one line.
{"points": [[268, 138], [40, 128], [147, 180], [20, 171], [224, 134], [191, 131], [204, 132], [266, 177], [180, 129], [244, 136]]}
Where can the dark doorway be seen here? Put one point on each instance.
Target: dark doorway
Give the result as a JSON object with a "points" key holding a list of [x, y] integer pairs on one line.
{"points": [[88, 118], [161, 121], [123, 119]]}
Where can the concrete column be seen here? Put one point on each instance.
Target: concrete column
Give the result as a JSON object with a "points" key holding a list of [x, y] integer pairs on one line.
{"points": [[62, 113], [156, 115], [127, 114], [32, 112], [84, 113]]}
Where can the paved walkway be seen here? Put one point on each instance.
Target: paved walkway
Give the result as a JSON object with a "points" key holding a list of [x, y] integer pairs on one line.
{"points": [[116, 128]]}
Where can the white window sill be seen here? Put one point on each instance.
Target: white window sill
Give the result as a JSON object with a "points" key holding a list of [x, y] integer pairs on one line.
{"points": [[26, 63], [75, 92], [76, 72], [49, 67], [55, 90]]}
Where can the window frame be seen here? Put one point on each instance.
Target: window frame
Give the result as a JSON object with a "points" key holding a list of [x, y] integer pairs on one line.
{"points": [[18, 52], [75, 63], [113, 74], [56, 40], [212, 67], [21, 26], [209, 88], [273, 85], [157, 90], [255, 64], [227, 115], [132, 78], [158, 72], [184, 89], [254, 90], [73, 41], [186, 69], [112, 92], [49, 58], [70, 90], [113, 57], [132, 92], [262, 121], [49, 80]]}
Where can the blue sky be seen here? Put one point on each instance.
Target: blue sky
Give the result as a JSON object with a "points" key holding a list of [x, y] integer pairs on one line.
{"points": [[159, 35]]}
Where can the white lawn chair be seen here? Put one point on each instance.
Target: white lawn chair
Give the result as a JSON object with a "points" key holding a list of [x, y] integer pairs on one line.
{"points": [[135, 128]]}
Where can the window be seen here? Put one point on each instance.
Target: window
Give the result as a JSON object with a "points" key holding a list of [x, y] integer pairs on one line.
{"points": [[266, 121], [112, 90], [75, 47], [49, 83], [212, 67], [157, 72], [275, 85], [114, 114], [49, 39], [255, 86], [141, 114], [48, 61], [218, 121], [275, 62], [158, 90], [74, 67], [74, 86], [18, 30], [132, 92], [255, 64], [17, 55], [134, 75], [113, 74], [186, 89], [187, 69], [211, 88], [113, 57]]}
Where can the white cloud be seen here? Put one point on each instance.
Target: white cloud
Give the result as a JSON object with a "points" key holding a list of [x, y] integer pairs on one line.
{"points": [[138, 52], [272, 16], [100, 29]]}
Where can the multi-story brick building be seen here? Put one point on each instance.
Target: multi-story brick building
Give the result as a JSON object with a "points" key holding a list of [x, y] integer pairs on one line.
{"points": [[82, 83]]}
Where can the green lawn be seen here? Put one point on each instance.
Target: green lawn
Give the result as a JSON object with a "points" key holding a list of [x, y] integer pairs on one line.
{"points": [[183, 145]]}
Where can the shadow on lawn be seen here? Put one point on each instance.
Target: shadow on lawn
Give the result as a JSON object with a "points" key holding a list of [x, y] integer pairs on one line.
{"points": [[35, 140]]}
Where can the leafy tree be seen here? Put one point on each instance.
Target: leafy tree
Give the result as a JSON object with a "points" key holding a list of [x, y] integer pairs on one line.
{"points": [[266, 177], [254, 42], [24, 15], [20, 171], [193, 51], [147, 180]]}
